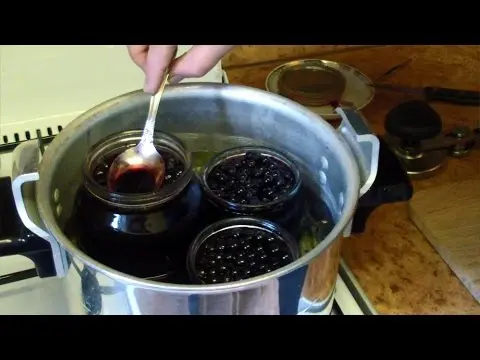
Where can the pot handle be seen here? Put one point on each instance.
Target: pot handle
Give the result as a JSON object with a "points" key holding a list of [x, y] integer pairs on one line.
{"points": [[26, 158], [364, 145]]}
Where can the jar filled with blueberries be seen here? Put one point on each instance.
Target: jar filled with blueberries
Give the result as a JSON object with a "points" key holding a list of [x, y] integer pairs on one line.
{"points": [[239, 248], [136, 229], [254, 181]]}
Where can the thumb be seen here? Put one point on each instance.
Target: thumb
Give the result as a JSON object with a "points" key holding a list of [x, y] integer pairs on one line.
{"points": [[138, 54]]}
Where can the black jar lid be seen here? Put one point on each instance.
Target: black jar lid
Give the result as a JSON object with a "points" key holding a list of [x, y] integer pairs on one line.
{"points": [[240, 153], [118, 142]]}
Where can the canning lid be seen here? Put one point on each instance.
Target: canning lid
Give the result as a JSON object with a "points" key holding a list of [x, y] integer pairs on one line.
{"points": [[310, 83], [321, 85], [119, 142]]}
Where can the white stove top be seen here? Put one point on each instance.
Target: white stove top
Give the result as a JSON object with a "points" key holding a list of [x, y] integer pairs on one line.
{"points": [[48, 86], [31, 296]]}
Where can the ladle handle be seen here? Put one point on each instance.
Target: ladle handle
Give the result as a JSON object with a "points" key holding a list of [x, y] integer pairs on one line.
{"points": [[149, 129]]}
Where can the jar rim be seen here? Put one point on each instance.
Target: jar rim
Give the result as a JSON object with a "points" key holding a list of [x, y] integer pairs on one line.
{"points": [[239, 223], [242, 150], [123, 140]]}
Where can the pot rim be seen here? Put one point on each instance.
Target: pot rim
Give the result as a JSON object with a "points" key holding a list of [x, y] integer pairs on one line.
{"points": [[236, 92]]}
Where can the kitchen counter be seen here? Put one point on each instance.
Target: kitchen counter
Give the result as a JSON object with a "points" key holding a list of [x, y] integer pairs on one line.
{"points": [[396, 266]]}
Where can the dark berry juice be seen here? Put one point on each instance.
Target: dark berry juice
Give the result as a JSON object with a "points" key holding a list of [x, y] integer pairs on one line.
{"points": [[243, 248], [135, 181], [134, 230], [140, 180]]}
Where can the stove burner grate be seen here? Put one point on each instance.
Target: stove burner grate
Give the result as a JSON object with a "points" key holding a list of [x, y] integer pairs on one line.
{"points": [[18, 276], [6, 145]]}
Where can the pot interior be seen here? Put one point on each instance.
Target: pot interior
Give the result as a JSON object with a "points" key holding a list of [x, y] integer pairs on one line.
{"points": [[207, 118]]}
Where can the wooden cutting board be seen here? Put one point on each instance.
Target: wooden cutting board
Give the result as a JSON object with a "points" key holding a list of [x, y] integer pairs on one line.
{"points": [[449, 217]]}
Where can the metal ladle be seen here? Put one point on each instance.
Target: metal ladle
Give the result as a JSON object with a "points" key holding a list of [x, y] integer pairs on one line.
{"points": [[144, 156]]}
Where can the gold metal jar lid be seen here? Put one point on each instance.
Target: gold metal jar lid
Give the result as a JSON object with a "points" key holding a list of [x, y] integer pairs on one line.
{"points": [[317, 84]]}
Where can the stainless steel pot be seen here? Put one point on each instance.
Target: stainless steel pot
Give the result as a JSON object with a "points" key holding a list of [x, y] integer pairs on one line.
{"points": [[343, 163]]}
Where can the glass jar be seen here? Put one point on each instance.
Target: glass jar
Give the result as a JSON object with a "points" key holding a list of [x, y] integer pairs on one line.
{"points": [[139, 232], [254, 181], [239, 248]]}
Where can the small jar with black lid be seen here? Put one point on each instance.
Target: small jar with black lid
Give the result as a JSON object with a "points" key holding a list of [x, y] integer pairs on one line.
{"points": [[134, 229], [254, 181], [239, 248]]}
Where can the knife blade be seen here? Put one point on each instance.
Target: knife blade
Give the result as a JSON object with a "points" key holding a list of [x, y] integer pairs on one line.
{"points": [[440, 94], [393, 70]]}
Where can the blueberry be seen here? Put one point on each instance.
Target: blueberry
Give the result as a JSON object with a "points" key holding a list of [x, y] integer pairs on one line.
{"points": [[280, 182], [233, 255], [243, 179], [258, 172], [252, 178], [232, 170]]}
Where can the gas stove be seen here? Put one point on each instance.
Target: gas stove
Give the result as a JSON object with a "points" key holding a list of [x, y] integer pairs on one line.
{"points": [[19, 281]]}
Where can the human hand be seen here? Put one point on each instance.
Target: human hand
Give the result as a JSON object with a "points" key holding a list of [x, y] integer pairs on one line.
{"points": [[154, 60]]}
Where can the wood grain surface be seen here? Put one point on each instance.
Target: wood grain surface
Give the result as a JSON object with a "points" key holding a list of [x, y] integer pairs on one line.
{"points": [[245, 55], [449, 217]]}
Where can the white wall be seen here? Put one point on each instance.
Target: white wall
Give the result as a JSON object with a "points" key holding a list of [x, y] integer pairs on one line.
{"points": [[48, 85]]}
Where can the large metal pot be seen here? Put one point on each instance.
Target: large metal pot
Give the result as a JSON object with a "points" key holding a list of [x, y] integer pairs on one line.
{"points": [[343, 163]]}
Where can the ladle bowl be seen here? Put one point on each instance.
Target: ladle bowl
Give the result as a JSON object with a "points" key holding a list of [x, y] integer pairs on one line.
{"points": [[144, 157]]}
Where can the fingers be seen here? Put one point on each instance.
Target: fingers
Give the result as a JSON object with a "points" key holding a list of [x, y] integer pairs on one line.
{"points": [[197, 62], [158, 61], [154, 60], [138, 54]]}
